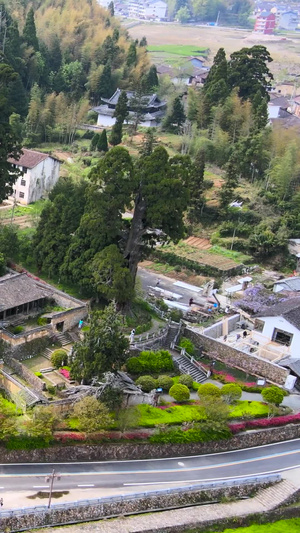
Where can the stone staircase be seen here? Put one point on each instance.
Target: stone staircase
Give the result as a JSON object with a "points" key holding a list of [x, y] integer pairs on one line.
{"points": [[74, 336], [47, 353], [275, 495], [63, 338], [187, 367]]}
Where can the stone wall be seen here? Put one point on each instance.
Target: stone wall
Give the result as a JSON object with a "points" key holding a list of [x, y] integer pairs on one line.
{"points": [[70, 318], [120, 506], [111, 452], [27, 375], [216, 330], [232, 357], [18, 340]]}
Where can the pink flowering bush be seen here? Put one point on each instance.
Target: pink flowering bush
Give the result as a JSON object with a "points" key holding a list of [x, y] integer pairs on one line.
{"points": [[64, 373], [265, 423], [69, 436]]}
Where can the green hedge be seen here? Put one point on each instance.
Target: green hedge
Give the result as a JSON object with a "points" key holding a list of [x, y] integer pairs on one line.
{"points": [[198, 434], [152, 362], [27, 443]]}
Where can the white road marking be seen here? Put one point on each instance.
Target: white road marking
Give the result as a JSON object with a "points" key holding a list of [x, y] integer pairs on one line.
{"points": [[180, 464], [41, 486], [91, 485]]}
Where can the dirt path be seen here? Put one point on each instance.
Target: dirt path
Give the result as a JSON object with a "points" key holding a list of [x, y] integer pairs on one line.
{"points": [[25, 221]]}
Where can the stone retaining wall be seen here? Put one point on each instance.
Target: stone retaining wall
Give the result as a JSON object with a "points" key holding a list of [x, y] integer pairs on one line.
{"points": [[232, 357], [93, 511], [27, 375], [111, 452]]}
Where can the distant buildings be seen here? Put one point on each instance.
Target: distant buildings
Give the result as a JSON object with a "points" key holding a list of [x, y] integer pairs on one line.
{"points": [[40, 174], [153, 109], [265, 23], [288, 20], [140, 9]]}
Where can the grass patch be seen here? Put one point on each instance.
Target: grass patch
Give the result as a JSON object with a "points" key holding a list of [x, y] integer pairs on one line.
{"points": [[239, 257], [34, 209], [152, 416], [179, 49], [35, 364], [283, 526]]}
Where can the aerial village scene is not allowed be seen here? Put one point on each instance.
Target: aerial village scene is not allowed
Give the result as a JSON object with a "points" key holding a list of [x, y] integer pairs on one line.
{"points": [[149, 266]]}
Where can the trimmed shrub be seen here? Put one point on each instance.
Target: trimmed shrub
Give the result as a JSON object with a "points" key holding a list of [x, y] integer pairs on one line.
{"points": [[273, 395], [188, 345], [191, 435], [51, 389], [231, 392], [187, 380], [179, 392], [39, 375], [165, 382], [147, 383], [42, 321], [59, 358], [27, 443], [152, 362], [18, 329], [265, 423], [208, 389]]}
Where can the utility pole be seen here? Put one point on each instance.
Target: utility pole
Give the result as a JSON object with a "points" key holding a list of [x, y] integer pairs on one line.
{"points": [[51, 479]]}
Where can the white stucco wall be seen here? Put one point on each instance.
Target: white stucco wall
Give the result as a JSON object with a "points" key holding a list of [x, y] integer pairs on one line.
{"points": [[273, 111], [104, 120], [278, 322], [38, 181], [157, 10]]}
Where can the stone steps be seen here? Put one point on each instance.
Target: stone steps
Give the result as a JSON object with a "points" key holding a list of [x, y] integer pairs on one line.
{"points": [[276, 495], [63, 338], [47, 353], [186, 367]]}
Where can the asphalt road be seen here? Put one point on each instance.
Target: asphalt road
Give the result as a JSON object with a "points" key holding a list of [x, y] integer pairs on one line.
{"points": [[146, 474]]}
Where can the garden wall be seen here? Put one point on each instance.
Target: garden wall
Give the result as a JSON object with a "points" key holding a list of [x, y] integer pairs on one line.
{"points": [[216, 330], [70, 318], [93, 510], [232, 357], [27, 375], [110, 452], [19, 340]]}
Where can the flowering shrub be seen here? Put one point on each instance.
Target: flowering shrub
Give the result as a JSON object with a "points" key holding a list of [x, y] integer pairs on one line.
{"points": [[64, 373], [265, 422], [65, 437]]}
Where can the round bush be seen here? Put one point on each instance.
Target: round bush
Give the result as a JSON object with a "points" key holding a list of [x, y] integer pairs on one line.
{"points": [[18, 329], [208, 389], [147, 383], [187, 380], [165, 382], [134, 365], [42, 321], [273, 395], [231, 392], [179, 392], [59, 358]]}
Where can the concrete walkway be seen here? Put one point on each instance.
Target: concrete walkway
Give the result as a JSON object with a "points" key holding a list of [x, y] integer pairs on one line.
{"points": [[265, 500]]}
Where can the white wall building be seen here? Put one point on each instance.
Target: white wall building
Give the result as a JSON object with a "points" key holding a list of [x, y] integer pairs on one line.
{"points": [[40, 174], [155, 9], [278, 328]]}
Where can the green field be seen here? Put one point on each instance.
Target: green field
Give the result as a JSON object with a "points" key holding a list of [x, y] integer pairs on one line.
{"points": [[180, 49], [283, 526]]}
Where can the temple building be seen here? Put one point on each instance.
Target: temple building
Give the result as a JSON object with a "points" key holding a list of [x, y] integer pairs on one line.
{"points": [[153, 109]]}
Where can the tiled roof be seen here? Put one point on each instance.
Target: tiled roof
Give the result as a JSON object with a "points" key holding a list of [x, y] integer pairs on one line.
{"points": [[30, 158], [288, 309], [148, 100], [19, 289]]}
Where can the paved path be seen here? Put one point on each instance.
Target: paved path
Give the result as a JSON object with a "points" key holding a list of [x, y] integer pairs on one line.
{"points": [[265, 500]]}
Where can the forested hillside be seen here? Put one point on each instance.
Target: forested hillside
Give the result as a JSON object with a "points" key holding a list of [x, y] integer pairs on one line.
{"points": [[66, 55]]}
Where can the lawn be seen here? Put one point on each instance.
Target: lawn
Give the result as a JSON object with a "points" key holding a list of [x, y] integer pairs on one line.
{"points": [[283, 526], [179, 49], [152, 416], [36, 363], [34, 209]]}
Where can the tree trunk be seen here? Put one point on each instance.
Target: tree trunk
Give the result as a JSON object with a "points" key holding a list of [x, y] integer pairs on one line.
{"points": [[133, 250]]}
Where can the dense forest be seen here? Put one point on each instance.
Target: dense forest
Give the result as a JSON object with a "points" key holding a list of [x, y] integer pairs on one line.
{"points": [[226, 12]]}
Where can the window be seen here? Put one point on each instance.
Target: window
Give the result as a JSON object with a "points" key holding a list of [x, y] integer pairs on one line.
{"points": [[24, 169], [23, 182], [21, 195], [259, 325], [282, 337]]}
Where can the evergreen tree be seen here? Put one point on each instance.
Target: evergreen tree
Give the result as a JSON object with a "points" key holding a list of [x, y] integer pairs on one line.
{"points": [[9, 142], [116, 35], [95, 142], [55, 55], [152, 78], [216, 87], [116, 134], [131, 59], [105, 82], [176, 118], [196, 188], [17, 96], [29, 32], [260, 111], [111, 8], [104, 347], [249, 71], [231, 181], [143, 41], [148, 143], [102, 143]]}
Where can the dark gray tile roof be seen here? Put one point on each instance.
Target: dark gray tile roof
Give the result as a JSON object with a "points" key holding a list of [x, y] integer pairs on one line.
{"points": [[290, 284], [288, 309], [19, 289], [30, 158], [292, 364]]}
